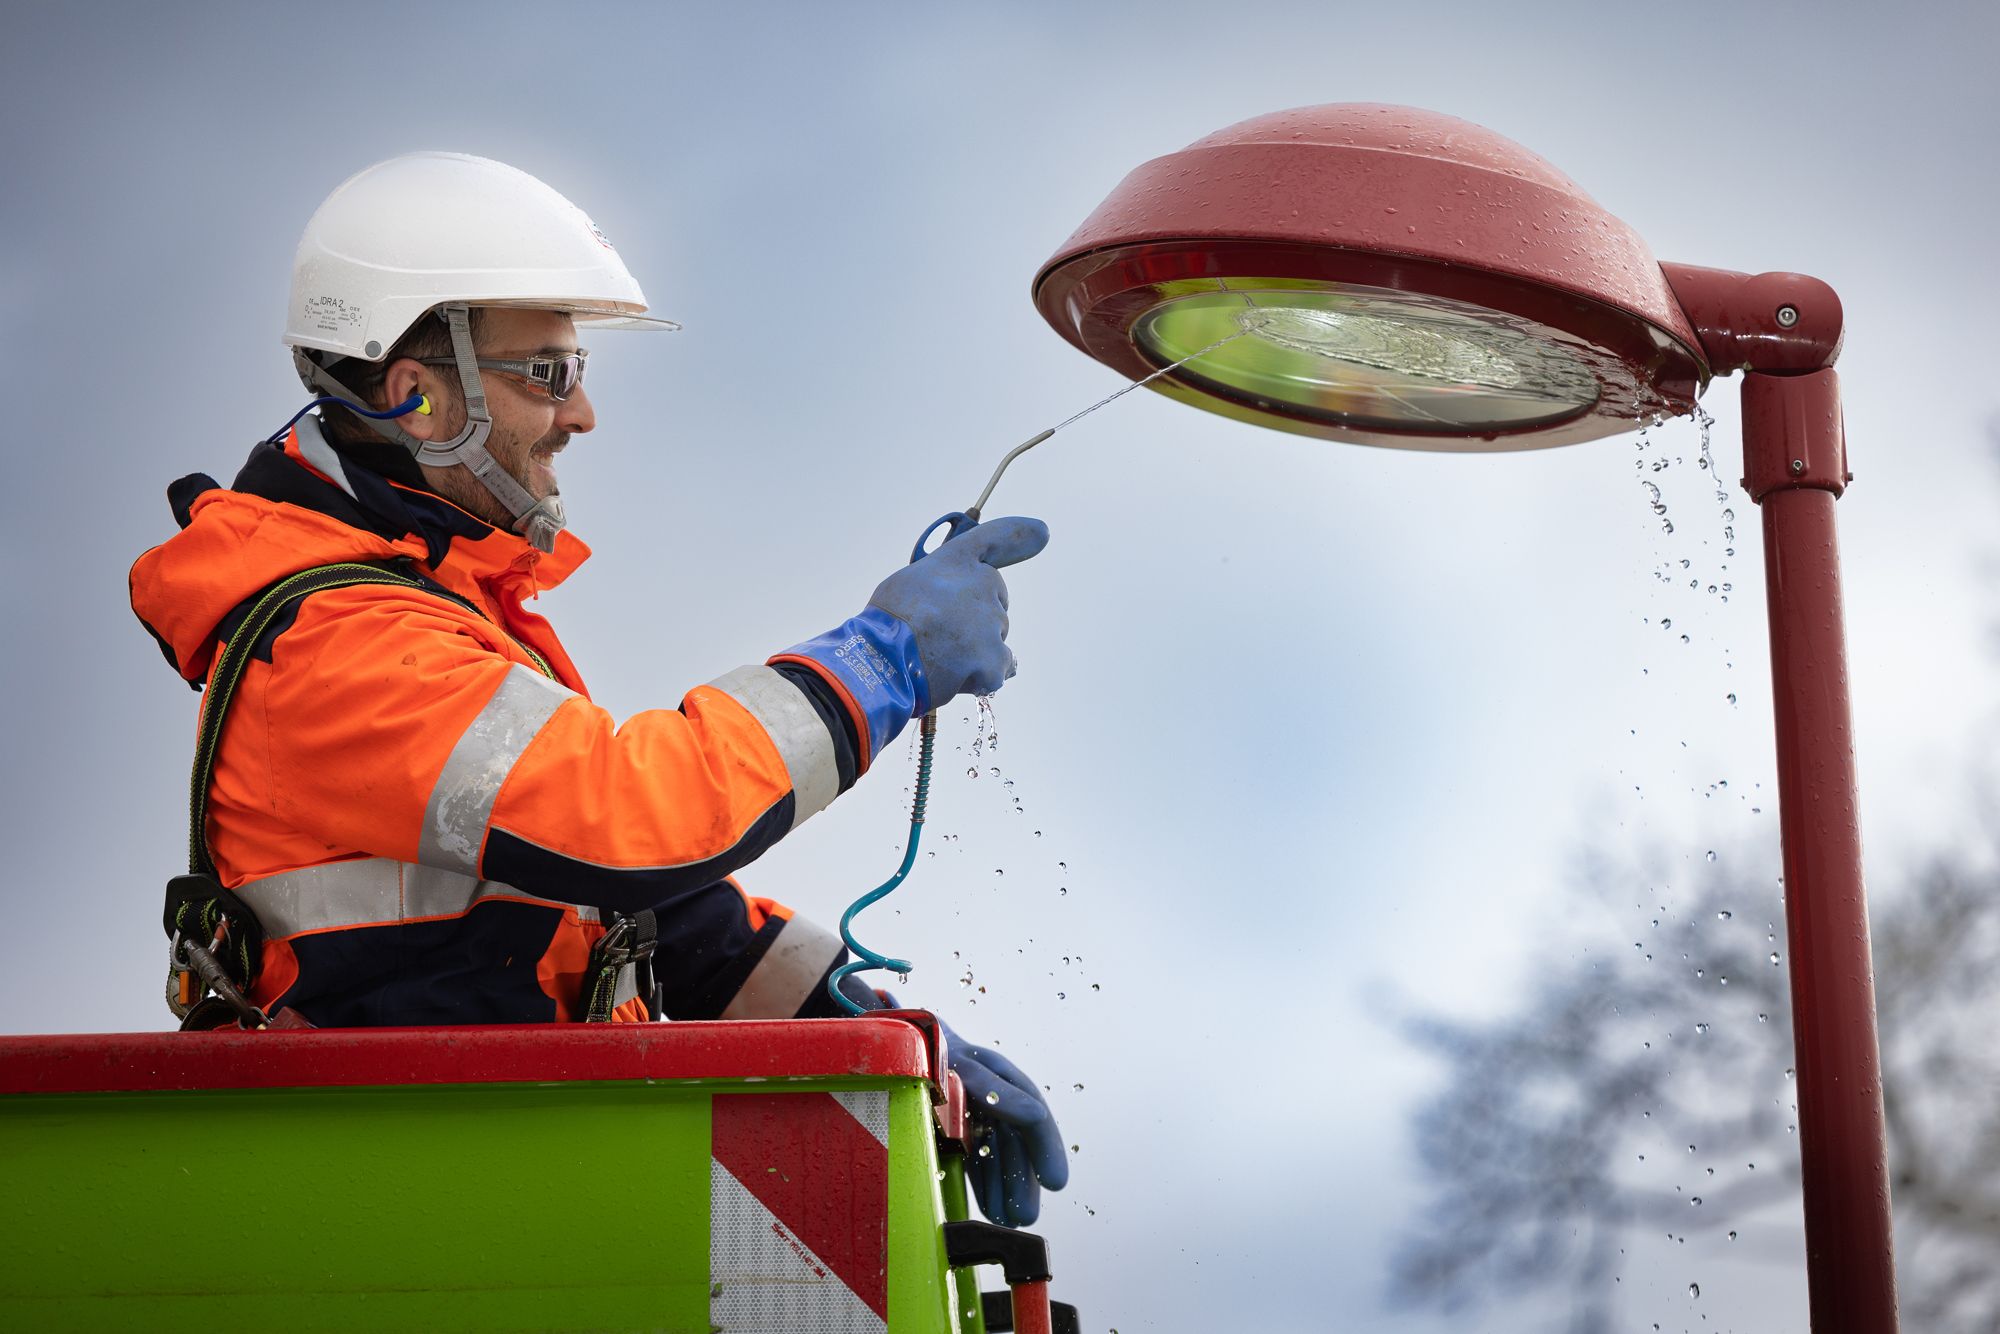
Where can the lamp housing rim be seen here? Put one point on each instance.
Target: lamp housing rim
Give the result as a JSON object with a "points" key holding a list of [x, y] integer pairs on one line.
{"points": [[1391, 197]]}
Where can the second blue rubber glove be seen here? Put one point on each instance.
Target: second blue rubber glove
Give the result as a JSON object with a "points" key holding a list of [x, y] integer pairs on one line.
{"points": [[933, 630], [1018, 1148]]}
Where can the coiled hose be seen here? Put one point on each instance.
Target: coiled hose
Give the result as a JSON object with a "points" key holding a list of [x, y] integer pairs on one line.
{"points": [[865, 958]]}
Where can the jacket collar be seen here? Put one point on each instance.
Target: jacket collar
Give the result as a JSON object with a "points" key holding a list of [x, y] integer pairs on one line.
{"points": [[313, 471]]}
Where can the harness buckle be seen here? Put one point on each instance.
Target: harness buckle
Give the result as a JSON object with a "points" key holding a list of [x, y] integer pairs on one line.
{"points": [[198, 905], [628, 942]]}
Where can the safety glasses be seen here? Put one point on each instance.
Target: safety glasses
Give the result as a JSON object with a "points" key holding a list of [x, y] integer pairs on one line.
{"points": [[558, 377]]}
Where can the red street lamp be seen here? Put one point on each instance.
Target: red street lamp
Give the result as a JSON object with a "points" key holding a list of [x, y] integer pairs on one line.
{"points": [[1387, 276]]}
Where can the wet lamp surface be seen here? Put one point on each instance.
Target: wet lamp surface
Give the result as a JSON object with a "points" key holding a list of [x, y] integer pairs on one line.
{"points": [[1394, 277]]}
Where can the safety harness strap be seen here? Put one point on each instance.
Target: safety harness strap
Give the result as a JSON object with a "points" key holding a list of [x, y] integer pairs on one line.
{"points": [[228, 673]]}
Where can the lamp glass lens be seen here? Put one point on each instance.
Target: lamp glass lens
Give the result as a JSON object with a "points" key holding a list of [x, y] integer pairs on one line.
{"points": [[1367, 357]]}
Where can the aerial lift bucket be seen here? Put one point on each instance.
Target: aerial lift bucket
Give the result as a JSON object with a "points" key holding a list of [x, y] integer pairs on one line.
{"points": [[799, 1176]]}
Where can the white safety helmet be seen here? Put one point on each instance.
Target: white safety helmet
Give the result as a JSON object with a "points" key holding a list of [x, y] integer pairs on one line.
{"points": [[446, 232], [433, 229]]}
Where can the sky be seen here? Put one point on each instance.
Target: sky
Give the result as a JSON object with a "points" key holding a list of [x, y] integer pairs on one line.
{"points": [[1301, 731]]}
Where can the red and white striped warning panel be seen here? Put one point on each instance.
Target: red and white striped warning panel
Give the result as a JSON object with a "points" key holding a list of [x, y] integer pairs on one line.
{"points": [[799, 1216]]}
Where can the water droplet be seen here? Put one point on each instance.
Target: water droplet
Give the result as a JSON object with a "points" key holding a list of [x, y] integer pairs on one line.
{"points": [[1732, 1235], [1722, 914], [1701, 1028], [1711, 854], [973, 772], [1732, 697], [1062, 890], [1095, 987], [998, 871], [1774, 958], [985, 1151], [1694, 1202], [1763, 1018], [992, 1098], [1077, 1087], [1666, 624]]}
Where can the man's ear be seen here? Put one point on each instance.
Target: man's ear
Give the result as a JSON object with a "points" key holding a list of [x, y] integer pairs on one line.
{"points": [[408, 376]]}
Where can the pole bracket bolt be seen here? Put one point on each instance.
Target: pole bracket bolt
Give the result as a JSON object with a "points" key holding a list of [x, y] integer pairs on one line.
{"points": [[1793, 436], [1788, 315]]}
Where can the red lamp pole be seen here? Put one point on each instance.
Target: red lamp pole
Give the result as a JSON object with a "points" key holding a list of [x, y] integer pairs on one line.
{"points": [[1784, 330], [1795, 467]]}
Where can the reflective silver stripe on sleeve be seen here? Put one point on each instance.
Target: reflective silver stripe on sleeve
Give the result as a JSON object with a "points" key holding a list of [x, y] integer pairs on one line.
{"points": [[795, 728], [372, 891], [788, 973], [455, 819]]}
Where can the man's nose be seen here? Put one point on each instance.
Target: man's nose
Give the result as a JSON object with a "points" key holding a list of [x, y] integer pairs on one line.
{"points": [[575, 413]]}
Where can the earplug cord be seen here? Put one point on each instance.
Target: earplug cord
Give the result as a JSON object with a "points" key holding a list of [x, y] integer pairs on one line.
{"points": [[414, 403]]}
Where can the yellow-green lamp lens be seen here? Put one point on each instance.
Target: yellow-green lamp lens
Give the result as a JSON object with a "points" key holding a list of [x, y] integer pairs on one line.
{"points": [[1368, 358]]}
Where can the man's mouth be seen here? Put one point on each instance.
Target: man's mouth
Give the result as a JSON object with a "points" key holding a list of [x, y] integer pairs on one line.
{"points": [[543, 458]]}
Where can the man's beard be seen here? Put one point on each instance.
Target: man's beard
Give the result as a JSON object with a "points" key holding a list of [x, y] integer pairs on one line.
{"points": [[460, 486]]}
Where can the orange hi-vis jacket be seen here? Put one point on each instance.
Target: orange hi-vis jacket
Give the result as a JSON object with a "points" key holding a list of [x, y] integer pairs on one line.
{"points": [[416, 795]]}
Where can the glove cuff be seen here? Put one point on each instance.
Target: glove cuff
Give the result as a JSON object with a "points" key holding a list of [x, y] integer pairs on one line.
{"points": [[871, 662]]}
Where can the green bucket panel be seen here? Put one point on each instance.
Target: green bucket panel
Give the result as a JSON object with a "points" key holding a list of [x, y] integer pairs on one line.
{"points": [[436, 1207]]}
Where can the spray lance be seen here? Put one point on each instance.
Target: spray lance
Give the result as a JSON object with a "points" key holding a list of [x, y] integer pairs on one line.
{"points": [[957, 524]]}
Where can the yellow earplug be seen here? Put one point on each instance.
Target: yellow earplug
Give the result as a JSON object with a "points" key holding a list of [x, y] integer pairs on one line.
{"points": [[423, 406]]}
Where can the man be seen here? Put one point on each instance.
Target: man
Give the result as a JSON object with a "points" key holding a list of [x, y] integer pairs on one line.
{"points": [[413, 792]]}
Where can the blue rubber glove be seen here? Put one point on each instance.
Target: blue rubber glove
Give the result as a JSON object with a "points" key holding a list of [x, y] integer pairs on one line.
{"points": [[1017, 1146], [933, 630], [1010, 1121]]}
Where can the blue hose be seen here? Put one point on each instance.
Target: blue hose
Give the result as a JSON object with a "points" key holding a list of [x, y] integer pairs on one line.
{"points": [[866, 958]]}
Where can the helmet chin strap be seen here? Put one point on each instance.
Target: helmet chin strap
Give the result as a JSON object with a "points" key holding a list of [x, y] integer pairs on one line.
{"points": [[537, 520]]}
